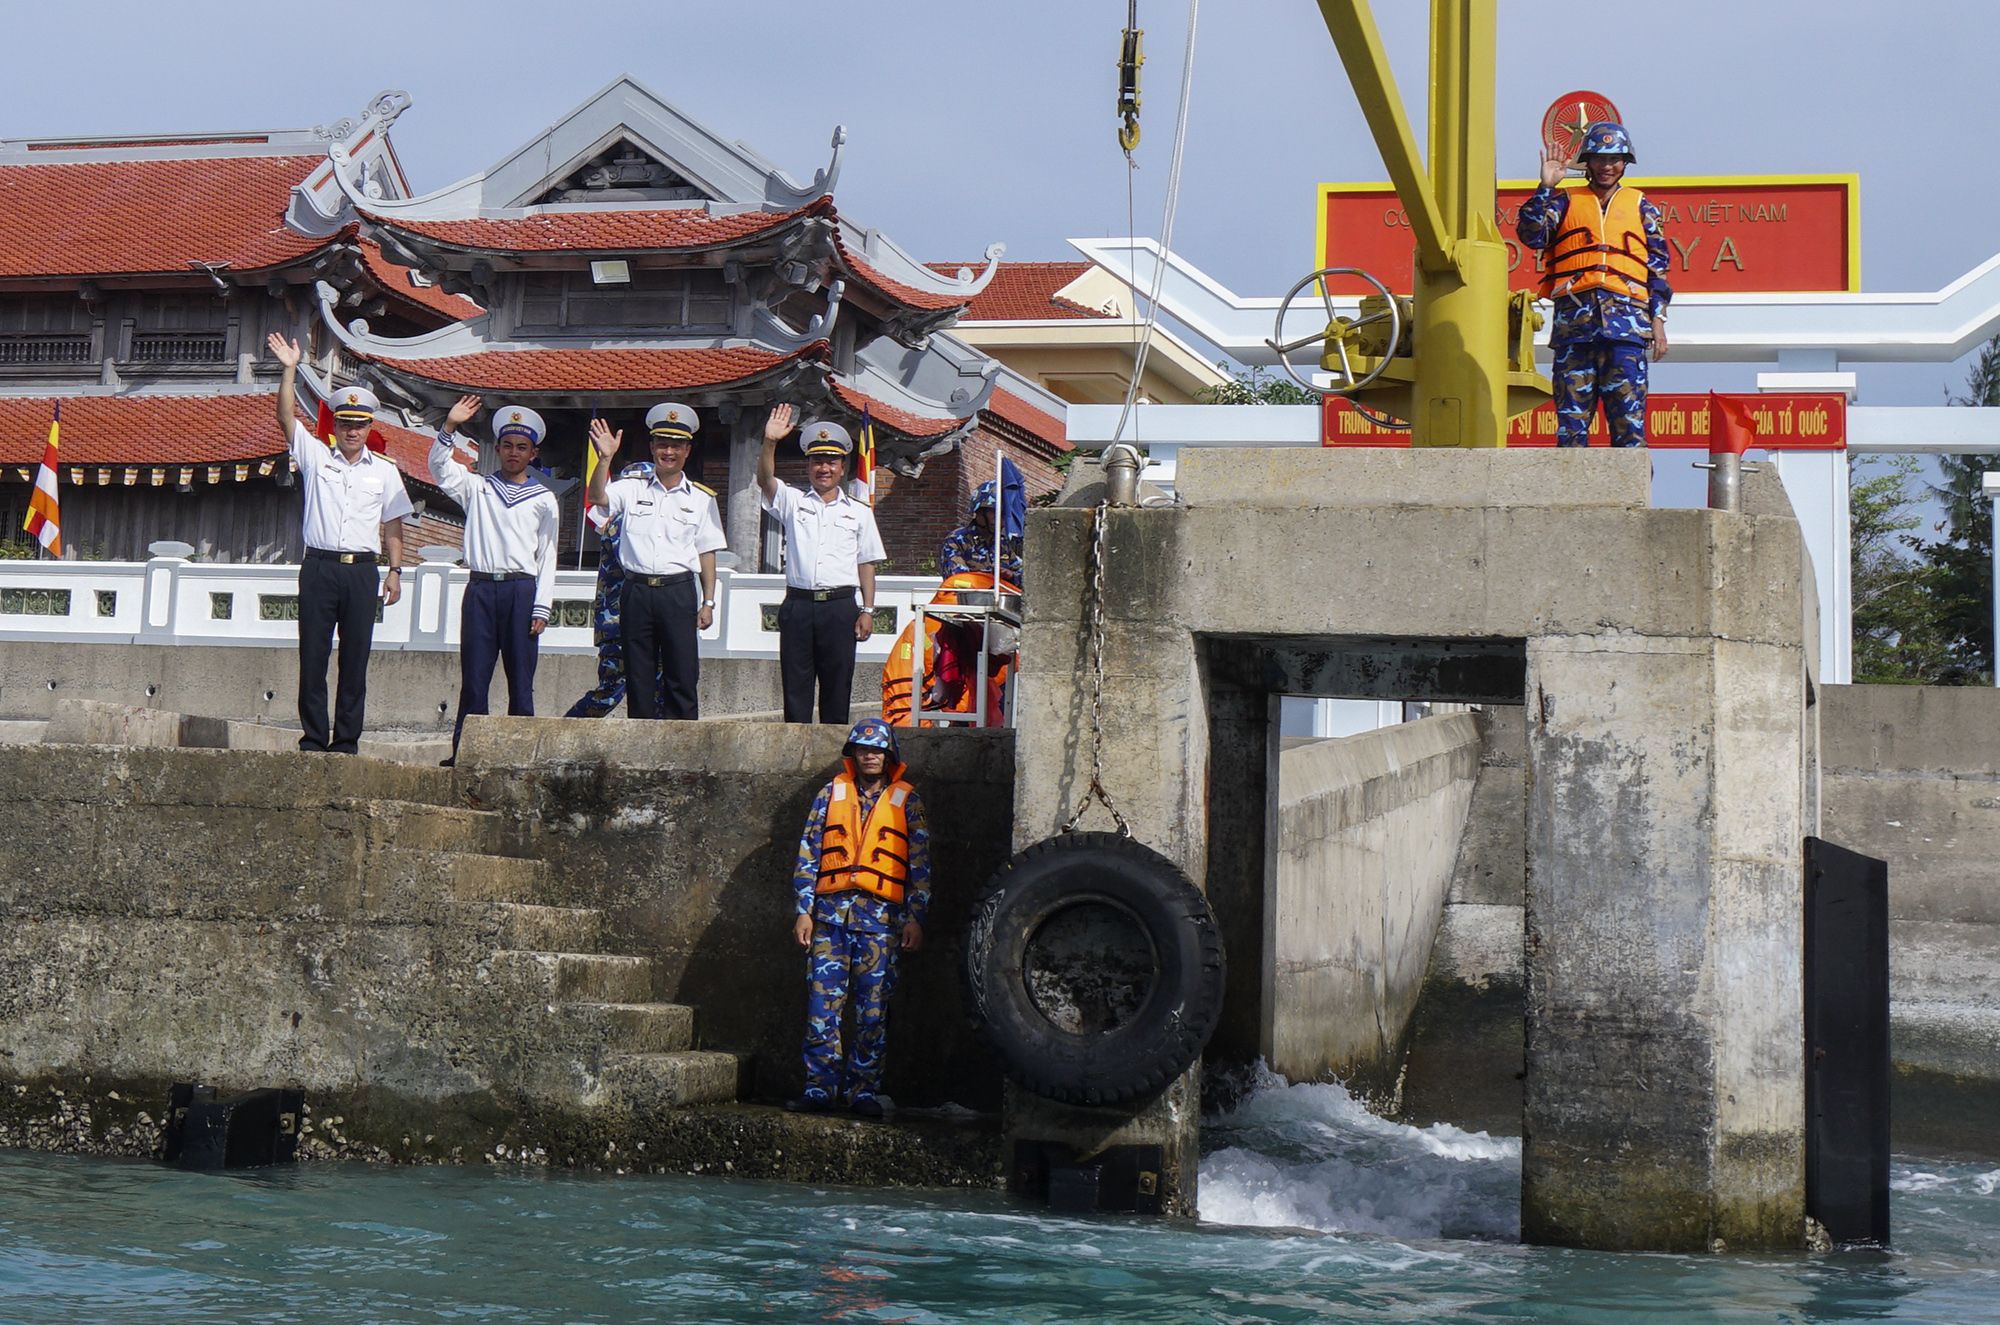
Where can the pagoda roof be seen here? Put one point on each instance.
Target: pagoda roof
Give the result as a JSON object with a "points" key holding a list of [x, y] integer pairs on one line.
{"points": [[396, 281], [1030, 292], [711, 193], [155, 430], [683, 229], [594, 372], [103, 218]]}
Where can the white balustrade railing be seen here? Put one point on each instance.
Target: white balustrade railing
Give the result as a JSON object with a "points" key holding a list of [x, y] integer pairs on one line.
{"points": [[168, 600]]}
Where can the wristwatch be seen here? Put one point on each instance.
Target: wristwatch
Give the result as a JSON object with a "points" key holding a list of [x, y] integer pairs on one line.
{"points": [[708, 602]]}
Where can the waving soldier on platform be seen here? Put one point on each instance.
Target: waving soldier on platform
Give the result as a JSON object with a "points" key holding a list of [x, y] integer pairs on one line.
{"points": [[1604, 249]]}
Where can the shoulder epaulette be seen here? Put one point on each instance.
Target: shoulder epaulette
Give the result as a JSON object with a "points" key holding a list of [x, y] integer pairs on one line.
{"points": [[701, 487]]}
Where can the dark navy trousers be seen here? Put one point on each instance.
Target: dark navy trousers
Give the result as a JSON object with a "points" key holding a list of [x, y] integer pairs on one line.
{"points": [[816, 648], [493, 625], [656, 626], [343, 596]]}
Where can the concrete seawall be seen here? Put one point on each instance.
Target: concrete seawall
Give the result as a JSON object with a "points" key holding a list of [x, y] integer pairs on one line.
{"points": [[1369, 828], [548, 952], [1912, 775], [408, 689], [687, 844]]}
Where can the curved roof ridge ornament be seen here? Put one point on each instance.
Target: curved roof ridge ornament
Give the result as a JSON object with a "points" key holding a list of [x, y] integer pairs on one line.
{"points": [[323, 202], [780, 190], [821, 326], [444, 343]]}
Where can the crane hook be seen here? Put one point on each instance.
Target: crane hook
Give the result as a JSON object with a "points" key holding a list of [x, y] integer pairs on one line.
{"points": [[1131, 55]]}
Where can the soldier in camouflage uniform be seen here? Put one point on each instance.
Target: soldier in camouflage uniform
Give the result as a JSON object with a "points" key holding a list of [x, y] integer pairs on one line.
{"points": [[863, 887], [604, 613], [1605, 257], [968, 549]]}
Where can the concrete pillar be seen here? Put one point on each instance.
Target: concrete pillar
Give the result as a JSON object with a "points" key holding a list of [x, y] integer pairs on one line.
{"points": [[742, 517], [1151, 720], [1663, 1105]]}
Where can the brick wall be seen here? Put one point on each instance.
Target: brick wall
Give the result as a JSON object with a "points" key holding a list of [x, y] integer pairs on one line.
{"points": [[915, 515]]}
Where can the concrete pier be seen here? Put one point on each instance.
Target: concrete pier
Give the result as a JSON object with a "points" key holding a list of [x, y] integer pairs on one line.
{"points": [[1662, 659]]}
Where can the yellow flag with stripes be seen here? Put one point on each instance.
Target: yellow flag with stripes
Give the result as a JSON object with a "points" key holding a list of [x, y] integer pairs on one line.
{"points": [[44, 504]]}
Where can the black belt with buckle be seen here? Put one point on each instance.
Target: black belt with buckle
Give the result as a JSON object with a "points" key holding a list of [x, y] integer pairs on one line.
{"points": [[501, 576], [344, 558], [821, 595], [661, 581]]}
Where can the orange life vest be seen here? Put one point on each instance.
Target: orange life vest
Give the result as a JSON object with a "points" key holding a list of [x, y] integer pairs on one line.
{"points": [[873, 856], [1599, 250], [909, 657]]}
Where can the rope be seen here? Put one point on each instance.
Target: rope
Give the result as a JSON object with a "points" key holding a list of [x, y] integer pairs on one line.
{"points": [[1166, 223]]}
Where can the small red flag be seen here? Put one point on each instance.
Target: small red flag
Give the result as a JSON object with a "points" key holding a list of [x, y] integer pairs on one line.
{"points": [[1732, 428], [323, 429]]}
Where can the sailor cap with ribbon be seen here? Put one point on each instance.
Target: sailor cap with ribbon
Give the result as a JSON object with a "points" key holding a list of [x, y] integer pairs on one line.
{"points": [[675, 422], [354, 404], [822, 438], [519, 419]]}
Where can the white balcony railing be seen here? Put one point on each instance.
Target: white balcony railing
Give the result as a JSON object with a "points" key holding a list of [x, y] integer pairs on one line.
{"points": [[171, 601]]}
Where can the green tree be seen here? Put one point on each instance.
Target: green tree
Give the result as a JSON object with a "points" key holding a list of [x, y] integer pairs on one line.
{"points": [[1896, 636], [1255, 387], [1961, 562]]}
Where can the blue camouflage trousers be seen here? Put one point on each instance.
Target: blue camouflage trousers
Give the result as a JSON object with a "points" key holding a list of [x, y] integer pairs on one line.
{"points": [[848, 964], [1590, 371]]}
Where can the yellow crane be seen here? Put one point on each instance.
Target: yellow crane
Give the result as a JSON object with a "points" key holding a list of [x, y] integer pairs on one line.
{"points": [[1457, 361]]}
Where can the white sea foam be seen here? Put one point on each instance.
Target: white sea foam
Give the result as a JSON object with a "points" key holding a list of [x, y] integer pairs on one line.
{"points": [[1310, 1156]]}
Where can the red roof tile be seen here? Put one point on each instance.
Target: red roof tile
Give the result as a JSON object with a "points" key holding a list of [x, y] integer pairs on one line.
{"points": [[1025, 292], [908, 296], [168, 430], [598, 370], [451, 307], [902, 421], [1023, 415], [105, 218], [609, 231]]}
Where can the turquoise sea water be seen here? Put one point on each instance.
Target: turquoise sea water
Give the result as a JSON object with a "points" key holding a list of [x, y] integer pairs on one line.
{"points": [[1313, 1211]]}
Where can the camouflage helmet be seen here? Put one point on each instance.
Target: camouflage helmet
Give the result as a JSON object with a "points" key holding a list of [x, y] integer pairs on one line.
{"points": [[872, 734], [1607, 138]]}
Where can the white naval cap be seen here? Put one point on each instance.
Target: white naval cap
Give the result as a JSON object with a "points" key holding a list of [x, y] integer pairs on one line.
{"points": [[671, 420], [355, 404], [521, 419], [823, 438]]}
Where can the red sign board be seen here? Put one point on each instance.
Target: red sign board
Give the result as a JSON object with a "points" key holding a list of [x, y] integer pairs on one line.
{"points": [[1742, 234], [1804, 421]]}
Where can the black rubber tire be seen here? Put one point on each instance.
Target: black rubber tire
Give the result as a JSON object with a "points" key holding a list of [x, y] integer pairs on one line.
{"points": [[1178, 1012]]}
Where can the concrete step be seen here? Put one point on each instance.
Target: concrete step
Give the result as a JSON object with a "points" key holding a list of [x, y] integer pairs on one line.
{"points": [[454, 876], [416, 826], [631, 1028], [694, 1076], [579, 977], [548, 928]]}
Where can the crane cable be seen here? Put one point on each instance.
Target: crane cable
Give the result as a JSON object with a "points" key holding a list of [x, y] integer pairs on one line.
{"points": [[1167, 220]]}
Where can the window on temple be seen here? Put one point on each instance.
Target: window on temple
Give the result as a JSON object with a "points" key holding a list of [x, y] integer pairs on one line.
{"points": [[682, 297], [43, 329], [180, 328]]}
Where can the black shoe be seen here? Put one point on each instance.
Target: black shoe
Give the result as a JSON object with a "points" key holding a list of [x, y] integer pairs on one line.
{"points": [[808, 1104], [448, 763], [866, 1106]]}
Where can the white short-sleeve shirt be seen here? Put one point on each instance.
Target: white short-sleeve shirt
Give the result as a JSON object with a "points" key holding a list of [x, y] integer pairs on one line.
{"points": [[825, 541], [346, 505], [666, 529]]}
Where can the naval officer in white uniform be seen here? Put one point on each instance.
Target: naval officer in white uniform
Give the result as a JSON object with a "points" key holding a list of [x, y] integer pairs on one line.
{"points": [[510, 544], [670, 535], [355, 505], [831, 547]]}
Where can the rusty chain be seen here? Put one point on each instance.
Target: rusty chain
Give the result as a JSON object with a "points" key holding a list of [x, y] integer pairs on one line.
{"points": [[1100, 537]]}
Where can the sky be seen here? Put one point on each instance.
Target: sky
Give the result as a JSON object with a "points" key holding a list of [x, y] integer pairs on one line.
{"points": [[970, 123]]}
